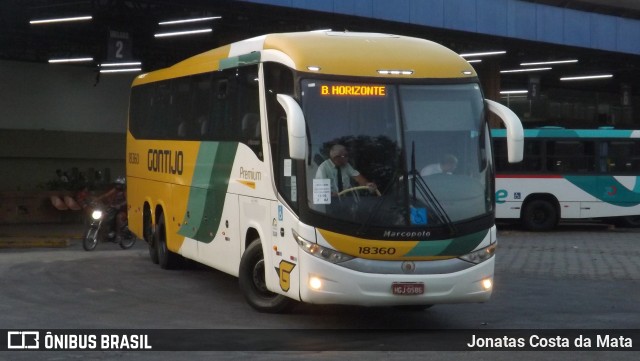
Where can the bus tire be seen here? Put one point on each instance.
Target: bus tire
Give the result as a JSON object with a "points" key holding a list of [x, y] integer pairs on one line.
{"points": [[539, 215], [147, 233], [253, 284], [166, 258]]}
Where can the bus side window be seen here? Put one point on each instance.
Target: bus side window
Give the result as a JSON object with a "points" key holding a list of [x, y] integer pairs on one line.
{"points": [[623, 156], [251, 132], [279, 80], [246, 108], [572, 156], [532, 161]]}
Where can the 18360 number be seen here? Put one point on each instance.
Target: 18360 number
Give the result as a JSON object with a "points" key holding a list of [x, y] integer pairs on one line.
{"points": [[377, 250]]}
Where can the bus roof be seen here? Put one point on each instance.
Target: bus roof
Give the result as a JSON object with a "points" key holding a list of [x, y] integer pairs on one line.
{"points": [[328, 52], [555, 132]]}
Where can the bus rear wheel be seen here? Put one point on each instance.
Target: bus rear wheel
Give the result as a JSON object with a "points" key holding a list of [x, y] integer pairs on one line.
{"points": [[147, 234], [253, 284], [539, 215], [166, 258]]}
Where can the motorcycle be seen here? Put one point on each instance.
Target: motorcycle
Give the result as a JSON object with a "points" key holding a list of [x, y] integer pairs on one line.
{"points": [[96, 232]]}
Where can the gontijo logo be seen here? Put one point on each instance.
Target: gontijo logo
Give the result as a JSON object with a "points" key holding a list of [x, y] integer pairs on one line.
{"points": [[165, 161]]}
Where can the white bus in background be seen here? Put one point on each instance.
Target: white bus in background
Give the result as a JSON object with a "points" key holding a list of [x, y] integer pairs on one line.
{"points": [[570, 174]]}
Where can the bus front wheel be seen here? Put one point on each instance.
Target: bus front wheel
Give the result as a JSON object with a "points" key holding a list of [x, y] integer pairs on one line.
{"points": [[253, 284], [539, 215]]}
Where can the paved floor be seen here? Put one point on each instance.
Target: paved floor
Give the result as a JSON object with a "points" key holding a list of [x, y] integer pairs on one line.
{"points": [[581, 251]]}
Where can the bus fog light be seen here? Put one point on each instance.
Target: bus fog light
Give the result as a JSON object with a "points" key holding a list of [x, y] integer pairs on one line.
{"points": [[487, 284], [315, 283]]}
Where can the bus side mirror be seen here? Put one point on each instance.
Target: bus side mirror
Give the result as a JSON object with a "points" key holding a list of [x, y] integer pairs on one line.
{"points": [[515, 133], [296, 127]]}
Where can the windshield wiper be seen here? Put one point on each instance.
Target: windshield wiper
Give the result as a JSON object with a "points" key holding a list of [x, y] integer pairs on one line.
{"points": [[419, 184], [376, 207]]}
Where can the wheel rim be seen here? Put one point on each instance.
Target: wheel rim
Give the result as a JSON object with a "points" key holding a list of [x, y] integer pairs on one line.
{"points": [[259, 279], [92, 238], [539, 216], [127, 241]]}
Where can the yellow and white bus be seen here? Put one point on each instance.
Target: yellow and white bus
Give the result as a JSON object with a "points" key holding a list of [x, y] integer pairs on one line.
{"points": [[223, 155]]}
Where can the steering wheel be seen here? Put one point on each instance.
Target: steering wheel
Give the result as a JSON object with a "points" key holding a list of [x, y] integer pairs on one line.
{"points": [[357, 188]]}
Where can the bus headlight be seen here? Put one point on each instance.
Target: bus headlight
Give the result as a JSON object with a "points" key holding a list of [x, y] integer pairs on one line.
{"points": [[480, 255], [318, 251]]}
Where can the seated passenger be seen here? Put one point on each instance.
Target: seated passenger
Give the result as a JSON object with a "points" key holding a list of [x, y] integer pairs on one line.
{"points": [[447, 165]]}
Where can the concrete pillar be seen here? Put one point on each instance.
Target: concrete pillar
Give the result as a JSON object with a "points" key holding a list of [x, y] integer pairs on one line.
{"points": [[489, 74]]}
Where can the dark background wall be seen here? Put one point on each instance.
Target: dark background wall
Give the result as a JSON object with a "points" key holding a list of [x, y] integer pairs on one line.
{"points": [[59, 117]]}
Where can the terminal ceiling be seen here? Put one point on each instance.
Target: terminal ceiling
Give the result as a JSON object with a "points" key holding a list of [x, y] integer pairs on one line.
{"points": [[21, 41]]}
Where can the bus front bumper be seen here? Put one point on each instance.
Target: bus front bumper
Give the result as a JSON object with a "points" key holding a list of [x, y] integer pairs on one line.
{"points": [[325, 283]]}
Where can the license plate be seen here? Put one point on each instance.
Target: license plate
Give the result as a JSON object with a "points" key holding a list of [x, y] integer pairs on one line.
{"points": [[407, 288]]}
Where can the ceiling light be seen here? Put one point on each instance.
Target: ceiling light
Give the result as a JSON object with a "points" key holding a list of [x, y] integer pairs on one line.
{"points": [[524, 70], [60, 20], [587, 77], [179, 33], [193, 20], [313, 68], [514, 91], [70, 60], [107, 65], [124, 70], [486, 53], [474, 61], [550, 62]]}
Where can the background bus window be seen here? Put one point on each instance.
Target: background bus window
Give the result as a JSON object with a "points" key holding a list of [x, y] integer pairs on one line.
{"points": [[566, 156], [623, 156], [532, 161]]}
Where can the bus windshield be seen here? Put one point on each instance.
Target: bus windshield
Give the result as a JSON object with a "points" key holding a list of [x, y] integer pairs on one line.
{"points": [[397, 155]]}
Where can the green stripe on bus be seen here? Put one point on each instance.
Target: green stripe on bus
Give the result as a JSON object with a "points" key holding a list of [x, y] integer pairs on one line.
{"points": [[208, 191], [241, 60], [607, 189], [448, 247]]}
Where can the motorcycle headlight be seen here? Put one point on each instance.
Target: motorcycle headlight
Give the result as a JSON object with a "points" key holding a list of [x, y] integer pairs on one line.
{"points": [[480, 255], [97, 214], [318, 251]]}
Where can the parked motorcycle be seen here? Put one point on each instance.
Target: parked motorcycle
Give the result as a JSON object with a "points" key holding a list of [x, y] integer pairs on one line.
{"points": [[99, 230]]}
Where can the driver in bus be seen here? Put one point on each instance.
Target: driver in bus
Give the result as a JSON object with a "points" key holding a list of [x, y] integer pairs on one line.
{"points": [[340, 172]]}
